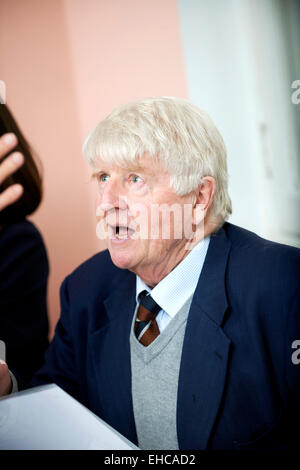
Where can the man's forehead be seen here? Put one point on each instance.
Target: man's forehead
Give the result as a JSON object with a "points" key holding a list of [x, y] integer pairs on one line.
{"points": [[145, 164]]}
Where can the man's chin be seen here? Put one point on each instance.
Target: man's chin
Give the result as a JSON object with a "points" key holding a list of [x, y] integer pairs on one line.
{"points": [[121, 260]]}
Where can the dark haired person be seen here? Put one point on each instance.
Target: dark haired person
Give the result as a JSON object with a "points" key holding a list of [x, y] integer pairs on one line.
{"points": [[23, 258]]}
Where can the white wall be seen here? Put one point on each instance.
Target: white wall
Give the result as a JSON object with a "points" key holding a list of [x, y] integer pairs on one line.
{"points": [[237, 70]]}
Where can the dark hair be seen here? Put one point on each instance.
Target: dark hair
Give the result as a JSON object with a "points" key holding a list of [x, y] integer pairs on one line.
{"points": [[28, 175]]}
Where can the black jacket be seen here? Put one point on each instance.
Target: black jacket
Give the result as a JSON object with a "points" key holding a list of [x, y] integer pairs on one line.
{"points": [[23, 289]]}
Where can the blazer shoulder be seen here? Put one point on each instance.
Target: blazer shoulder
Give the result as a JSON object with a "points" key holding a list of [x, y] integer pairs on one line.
{"points": [[264, 258], [243, 239], [97, 272]]}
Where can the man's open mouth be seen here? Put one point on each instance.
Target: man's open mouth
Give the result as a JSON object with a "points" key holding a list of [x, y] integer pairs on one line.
{"points": [[121, 232]]}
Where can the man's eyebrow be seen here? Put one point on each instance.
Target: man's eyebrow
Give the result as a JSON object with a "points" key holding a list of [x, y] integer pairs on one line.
{"points": [[95, 172], [131, 169]]}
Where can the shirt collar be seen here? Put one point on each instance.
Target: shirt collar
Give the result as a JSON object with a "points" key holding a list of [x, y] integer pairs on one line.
{"points": [[179, 285]]}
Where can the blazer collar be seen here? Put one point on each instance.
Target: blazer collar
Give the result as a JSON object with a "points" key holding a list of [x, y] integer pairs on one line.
{"points": [[210, 293], [121, 299], [110, 349]]}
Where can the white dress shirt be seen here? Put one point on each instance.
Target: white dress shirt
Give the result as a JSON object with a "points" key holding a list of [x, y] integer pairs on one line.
{"points": [[180, 284]]}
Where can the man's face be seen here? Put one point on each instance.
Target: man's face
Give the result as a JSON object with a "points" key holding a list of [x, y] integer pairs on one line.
{"points": [[132, 209]]}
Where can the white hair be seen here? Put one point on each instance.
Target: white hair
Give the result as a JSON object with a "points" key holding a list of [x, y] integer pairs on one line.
{"points": [[173, 130]]}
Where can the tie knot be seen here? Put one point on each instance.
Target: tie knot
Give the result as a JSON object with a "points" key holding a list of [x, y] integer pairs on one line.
{"points": [[148, 308], [149, 303]]}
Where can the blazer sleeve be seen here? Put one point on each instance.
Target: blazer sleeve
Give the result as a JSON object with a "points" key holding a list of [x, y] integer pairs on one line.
{"points": [[60, 362]]}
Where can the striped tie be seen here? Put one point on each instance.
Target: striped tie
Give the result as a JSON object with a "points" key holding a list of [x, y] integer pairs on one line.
{"points": [[146, 328]]}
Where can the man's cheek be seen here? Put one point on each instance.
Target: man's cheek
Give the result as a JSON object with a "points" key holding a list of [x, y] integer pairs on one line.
{"points": [[97, 202], [101, 226], [101, 229], [139, 215]]}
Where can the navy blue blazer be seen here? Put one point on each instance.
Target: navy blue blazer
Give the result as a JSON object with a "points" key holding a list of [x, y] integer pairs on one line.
{"points": [[238, 386]]}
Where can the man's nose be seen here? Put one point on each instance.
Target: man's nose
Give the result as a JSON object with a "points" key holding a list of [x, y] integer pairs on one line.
{"points": [[112, 197]]}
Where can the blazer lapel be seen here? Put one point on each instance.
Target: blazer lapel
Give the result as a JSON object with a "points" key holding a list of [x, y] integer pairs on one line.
{"points": [[205, 351], [111, 356]]}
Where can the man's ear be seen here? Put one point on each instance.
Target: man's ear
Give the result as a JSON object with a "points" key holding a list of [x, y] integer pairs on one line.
{"points": [[203, 198]]}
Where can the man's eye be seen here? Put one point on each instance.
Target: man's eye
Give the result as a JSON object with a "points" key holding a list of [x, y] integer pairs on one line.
{"points": [[136, 179], [103, 178]]}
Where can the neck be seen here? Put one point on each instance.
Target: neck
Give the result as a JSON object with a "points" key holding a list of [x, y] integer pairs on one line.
{"points": [[152, 275]]}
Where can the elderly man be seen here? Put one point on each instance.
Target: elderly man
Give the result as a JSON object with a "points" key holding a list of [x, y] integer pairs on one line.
{"points": [[181, 334]]}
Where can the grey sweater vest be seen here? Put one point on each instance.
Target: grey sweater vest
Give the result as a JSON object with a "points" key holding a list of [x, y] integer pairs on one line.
{"points": [[155, 371]]}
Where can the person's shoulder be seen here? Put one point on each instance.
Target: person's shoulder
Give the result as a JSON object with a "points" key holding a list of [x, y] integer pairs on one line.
{"points": [[101, 260], [23, 258], [253, 254], [21, 237], [96, 273], [245, 240], [22, 231]]}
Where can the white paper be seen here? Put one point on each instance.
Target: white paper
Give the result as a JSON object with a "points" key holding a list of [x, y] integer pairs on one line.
{"points": [[2, 351], [47, 418]]}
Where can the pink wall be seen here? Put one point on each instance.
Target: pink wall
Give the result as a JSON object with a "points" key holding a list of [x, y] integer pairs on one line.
{"points": [[123, 50], [66, 64]]}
